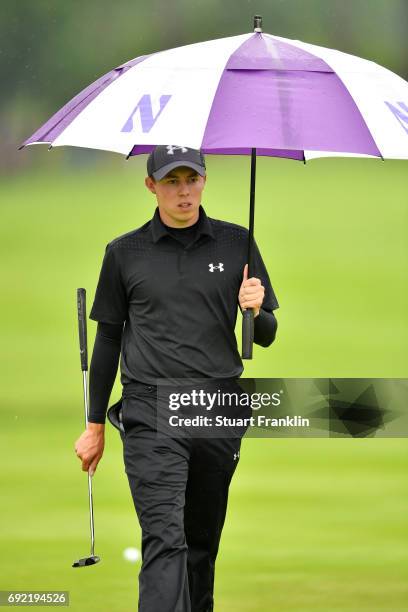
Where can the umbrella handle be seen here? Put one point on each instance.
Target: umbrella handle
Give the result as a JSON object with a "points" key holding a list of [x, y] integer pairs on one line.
{"points": [[247, 333]]}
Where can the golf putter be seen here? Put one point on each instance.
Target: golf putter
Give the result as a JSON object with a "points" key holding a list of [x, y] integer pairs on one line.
{"points": [[83, 349]]}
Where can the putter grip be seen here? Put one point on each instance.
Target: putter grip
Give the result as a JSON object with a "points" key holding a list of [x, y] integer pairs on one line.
{"points": [[83, 344], [247, 333]]}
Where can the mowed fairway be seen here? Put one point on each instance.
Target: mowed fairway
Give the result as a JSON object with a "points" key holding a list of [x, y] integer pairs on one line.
{"points": [[312, 524]]}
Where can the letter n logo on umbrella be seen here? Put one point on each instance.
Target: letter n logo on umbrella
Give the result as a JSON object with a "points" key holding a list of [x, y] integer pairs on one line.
{"points": [[400, 113], [144, 106]]}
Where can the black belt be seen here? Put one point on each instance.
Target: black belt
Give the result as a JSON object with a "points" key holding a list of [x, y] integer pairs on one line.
{"points": [[138, 387]]}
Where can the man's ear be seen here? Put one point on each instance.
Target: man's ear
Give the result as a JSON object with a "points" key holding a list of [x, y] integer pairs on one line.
{"points": [[150, 184]]}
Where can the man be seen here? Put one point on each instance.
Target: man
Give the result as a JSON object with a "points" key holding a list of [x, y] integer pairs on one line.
{"points": [[167, 301]]}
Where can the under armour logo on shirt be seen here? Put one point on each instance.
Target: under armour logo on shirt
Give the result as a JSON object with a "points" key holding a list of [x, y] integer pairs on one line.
{"points": [[172, 148], [236, 456], [220, 267]]}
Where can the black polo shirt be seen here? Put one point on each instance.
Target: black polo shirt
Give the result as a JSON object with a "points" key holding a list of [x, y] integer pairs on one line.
{"points": [[177, 298]]}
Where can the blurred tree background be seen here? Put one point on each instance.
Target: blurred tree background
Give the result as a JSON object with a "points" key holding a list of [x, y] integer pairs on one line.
{"points": [[52, 49]]}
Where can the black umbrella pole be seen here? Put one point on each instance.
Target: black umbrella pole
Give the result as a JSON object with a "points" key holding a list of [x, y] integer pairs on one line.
{"points": [[248, 314]]}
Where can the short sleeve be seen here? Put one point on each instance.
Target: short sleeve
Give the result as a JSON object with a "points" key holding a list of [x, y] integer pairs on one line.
{"points": [[259, 270], [110, 304]]}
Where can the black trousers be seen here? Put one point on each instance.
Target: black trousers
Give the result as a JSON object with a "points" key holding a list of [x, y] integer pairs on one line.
{"points": [[179, 488]]}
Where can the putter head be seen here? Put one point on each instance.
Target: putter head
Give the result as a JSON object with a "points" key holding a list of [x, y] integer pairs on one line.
{"points": [[86, 561]]}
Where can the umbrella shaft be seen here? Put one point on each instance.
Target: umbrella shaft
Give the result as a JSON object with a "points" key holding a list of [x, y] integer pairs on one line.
{"points": [[251, 210]]}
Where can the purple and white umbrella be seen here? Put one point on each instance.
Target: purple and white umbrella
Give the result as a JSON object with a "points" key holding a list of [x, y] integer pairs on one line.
{"points": [[284, 97], [254, 94]]}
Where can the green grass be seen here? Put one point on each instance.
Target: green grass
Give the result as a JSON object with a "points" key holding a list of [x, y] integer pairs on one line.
{"points": [[312, 524]]}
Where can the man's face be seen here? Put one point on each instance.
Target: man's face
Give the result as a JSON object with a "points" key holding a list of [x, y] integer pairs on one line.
{"points": [[178, 196]]}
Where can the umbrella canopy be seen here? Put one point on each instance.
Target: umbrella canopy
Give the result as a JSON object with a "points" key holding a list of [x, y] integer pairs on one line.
{"points": [[286, 98], [254, 94]]}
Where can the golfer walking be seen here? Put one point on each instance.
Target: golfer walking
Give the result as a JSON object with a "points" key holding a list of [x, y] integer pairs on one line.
{"points": [[166, 304]]}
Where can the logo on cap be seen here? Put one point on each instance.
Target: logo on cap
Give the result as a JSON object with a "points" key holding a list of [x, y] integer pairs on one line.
{"points": [[172, 148]]}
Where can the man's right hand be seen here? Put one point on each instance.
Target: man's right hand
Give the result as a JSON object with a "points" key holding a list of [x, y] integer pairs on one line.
{"points": [[90, 445]]}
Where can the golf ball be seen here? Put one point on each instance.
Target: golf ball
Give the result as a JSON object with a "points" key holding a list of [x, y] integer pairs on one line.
{"points": [[131, 554]]}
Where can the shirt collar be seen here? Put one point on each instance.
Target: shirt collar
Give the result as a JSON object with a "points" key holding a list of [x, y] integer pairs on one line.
{"points": [[159, 230]]}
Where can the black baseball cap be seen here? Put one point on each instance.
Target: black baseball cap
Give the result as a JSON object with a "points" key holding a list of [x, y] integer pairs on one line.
{"points": [[165, 158]]}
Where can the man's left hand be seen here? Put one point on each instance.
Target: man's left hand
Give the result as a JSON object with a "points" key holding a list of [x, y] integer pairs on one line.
{"points": [[251, 293]]}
